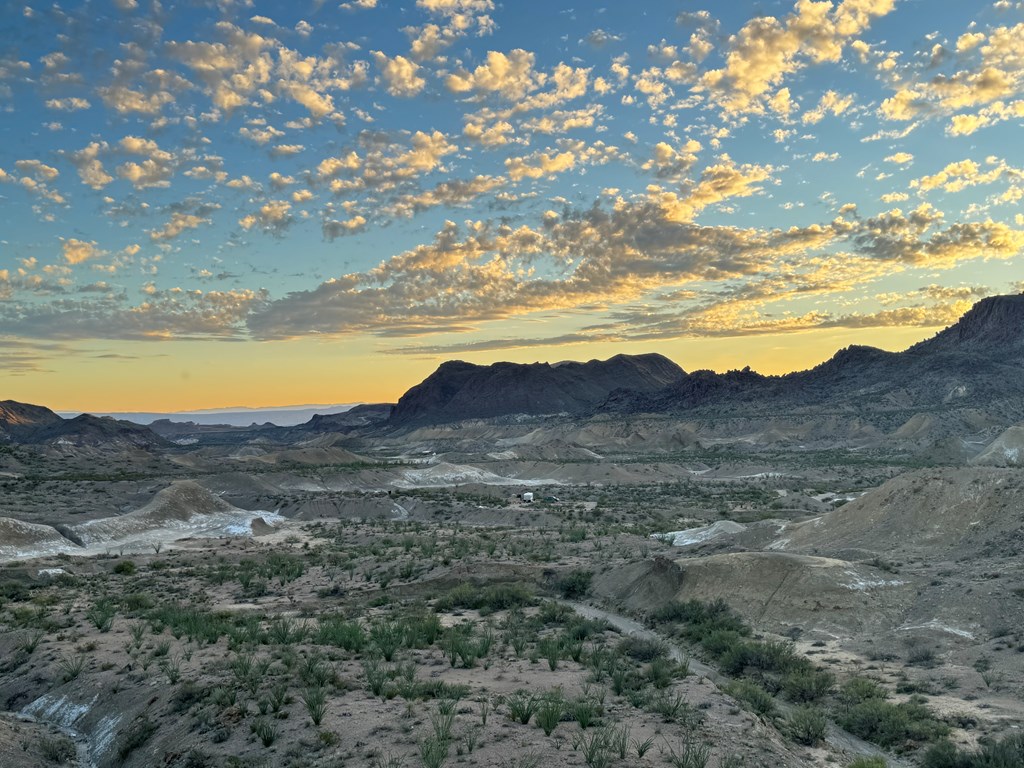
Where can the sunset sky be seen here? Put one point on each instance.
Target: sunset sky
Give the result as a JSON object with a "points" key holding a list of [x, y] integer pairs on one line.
{"points": [[225, 203]]}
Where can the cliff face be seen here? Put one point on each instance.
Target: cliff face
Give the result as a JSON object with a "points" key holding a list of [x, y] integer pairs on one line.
{"points": [[459, 390]]}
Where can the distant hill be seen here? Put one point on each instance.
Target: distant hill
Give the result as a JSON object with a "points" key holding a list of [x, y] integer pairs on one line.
{"points": [[282, 416], [26, 424], [459, 390], [976, 363]]}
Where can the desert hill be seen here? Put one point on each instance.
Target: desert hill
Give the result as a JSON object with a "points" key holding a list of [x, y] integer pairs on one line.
{"points": [[459, 390], [938, 514], [26, 424], [977, 364]]}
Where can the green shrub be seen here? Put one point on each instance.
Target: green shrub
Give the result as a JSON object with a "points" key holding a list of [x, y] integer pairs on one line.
{"points": [[522, 706], [700, 619], [892, 725], [807, 725], [574, 584], [498, 597], [756, 698], [1008, 753], [335, 631], [642, 649], [549, 713], [806, 686], [125, 568], [101, 614]]}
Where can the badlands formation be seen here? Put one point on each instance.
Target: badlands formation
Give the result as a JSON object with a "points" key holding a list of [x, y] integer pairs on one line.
{"points": [[715, 569]]}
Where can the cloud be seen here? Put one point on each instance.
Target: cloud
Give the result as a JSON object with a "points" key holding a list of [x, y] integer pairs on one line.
{"points": [[155, 170], [900, 158], [173, 314], [76, 251], [447, 193], [90, 167], [490, 271], [333, 228], [538, 165], [401, 75], [273, 217], [765, 51], [719, 182], [960, 175], [830, 103], [70, 104], [510, 76], [984, 92], [669, 162], [463, 15], [37, 170], [184, 216]]}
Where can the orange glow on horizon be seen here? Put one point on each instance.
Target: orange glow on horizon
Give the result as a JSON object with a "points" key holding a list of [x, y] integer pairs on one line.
{"points": [[211, 375]]}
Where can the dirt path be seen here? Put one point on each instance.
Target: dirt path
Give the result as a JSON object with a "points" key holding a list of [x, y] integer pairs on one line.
{"points": [[837, 739]]}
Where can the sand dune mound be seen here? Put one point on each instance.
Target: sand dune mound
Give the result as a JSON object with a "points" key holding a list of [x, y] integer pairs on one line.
{"points": [[20, 540], [1007, 450], [933, 514], [770, 589]]}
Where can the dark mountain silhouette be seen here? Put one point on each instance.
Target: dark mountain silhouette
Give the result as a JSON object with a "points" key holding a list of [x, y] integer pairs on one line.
{"points": [[977, 362], [459, 390]]}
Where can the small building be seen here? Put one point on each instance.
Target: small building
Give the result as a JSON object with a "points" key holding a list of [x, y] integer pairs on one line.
{"points": [[528, 497]]}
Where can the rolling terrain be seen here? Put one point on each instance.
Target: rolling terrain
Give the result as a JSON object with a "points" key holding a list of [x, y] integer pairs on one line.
{"points": [[836, 551]]}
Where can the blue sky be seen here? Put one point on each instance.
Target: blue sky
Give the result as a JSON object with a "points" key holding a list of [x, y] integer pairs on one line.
{"points": [[376, 186]]}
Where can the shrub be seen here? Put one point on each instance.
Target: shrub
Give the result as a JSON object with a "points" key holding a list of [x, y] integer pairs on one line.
{"points": [[125, 568], [807, 726], [691, 754], [700, 618], [643, 649], [522, 706], [549, 713], [756, 698], [316, 704], [1008, 753], [101, 614], [892, 725], [498, 597], [574, 584], [806, 686], [70, 667], [264, 731], [335, 631]]}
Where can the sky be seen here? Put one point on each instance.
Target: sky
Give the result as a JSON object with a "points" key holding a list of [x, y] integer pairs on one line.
{"points": [[223, 203]]}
